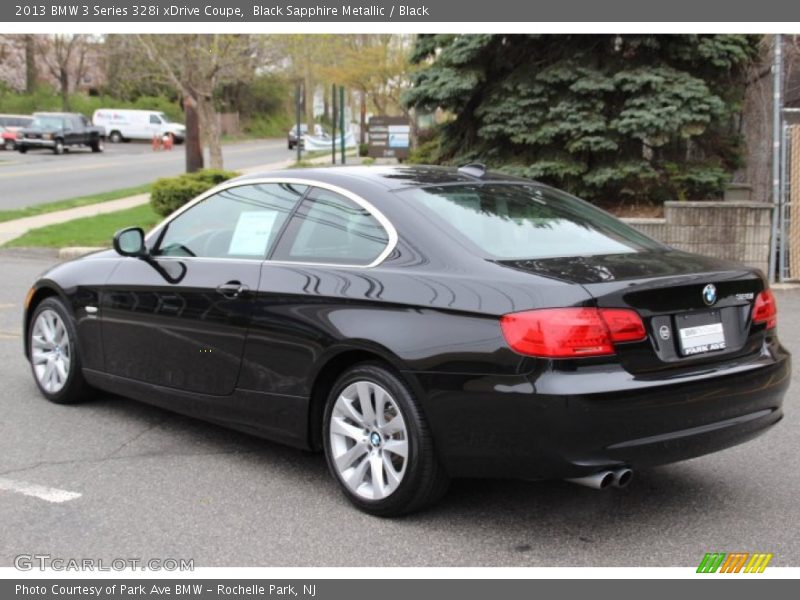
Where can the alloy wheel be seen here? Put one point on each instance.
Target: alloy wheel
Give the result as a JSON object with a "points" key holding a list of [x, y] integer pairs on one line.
{"points": [[369, 440], [51, 351]]}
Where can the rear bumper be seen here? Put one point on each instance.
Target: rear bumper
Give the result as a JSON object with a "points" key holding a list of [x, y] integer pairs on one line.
{"points": [[556, 424]]}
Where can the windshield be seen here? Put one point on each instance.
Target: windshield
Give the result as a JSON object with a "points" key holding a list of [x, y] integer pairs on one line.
{"points": [[164, 118], [509, 222], [48, 122]]}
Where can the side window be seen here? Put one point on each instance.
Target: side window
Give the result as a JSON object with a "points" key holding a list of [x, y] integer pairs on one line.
{"points": [[155, 120], [329, 228], [240, 222]]}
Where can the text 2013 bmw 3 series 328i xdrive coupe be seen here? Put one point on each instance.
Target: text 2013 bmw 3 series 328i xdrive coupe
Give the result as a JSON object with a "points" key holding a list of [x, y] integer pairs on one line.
{"points": [[419, 324]]}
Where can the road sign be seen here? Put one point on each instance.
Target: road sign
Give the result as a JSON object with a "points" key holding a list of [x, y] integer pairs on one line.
{"points": [[389, 137]]}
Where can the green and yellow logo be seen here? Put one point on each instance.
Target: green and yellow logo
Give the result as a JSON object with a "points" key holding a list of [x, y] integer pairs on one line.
{"points": [[734, 562]]}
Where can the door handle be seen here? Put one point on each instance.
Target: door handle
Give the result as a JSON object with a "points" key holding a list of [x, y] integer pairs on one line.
{"points": [[232, 289]]}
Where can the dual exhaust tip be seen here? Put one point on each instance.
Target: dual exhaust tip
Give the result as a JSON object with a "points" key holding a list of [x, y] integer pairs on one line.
{"points": [[604, 479]]}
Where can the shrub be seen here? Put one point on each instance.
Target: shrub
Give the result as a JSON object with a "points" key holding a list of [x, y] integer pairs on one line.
{"points": [[363, 149], [170, 193]]}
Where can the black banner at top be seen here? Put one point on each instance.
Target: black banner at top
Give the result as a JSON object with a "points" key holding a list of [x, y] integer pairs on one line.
{"points": [[445, 11]]}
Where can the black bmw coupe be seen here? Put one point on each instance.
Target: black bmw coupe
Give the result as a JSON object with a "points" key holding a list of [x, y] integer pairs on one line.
{"points": [[418, 324]]}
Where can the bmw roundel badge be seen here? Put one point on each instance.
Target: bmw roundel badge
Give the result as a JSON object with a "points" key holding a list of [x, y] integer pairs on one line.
{"points": [[709, 294]]}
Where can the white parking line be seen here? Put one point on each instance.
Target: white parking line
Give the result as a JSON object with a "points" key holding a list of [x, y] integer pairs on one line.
{"points": [[37, 491]]}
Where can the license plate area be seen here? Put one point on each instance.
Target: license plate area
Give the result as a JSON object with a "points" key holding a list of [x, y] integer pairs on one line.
{"points": [[700, 333]]}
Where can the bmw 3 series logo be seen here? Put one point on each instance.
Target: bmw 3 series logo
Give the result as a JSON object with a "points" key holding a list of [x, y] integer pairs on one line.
{"points": [[709, 294]]}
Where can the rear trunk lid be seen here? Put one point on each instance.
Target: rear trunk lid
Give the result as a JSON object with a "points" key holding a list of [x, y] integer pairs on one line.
{"points": [[696, 309]]}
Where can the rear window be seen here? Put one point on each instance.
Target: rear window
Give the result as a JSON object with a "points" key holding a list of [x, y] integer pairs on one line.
{"points": [[510, 221]]}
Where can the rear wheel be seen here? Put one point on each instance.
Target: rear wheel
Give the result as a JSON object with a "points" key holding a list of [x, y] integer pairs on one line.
{"points": [[22, 149], [378, 445], [97, 146], [10, 145], [53, 354]]}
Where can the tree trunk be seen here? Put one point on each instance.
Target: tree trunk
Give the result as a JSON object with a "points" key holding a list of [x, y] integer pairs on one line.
{"points": [[308, 100], [209, 126], [362, 135], [757, 132], [194, 149], [63, 79], [30, 64]]}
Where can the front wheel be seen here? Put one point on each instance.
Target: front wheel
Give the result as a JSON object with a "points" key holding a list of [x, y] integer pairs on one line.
{"points": [[96, 146], [378, 445], [53, 354], [59, 147], [10, 145]]}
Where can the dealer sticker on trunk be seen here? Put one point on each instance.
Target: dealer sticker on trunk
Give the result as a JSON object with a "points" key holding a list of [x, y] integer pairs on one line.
{"points": [[702, 338]]}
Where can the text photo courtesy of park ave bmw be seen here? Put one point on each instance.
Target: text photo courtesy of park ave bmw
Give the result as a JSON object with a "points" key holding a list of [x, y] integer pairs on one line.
{"points": [[303, 293]]}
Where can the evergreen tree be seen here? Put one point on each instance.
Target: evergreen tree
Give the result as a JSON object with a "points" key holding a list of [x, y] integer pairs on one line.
{"points": [[607, 117]]}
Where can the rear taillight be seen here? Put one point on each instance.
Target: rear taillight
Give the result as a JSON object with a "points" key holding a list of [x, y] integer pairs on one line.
{"points": [[571, 332], [765, 310]]}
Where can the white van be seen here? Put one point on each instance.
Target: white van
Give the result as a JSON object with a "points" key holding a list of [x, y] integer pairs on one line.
{"points": [[123, 124]]}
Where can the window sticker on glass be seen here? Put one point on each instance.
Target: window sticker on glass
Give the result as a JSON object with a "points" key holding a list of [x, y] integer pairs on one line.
{"points": [[252, 233]]}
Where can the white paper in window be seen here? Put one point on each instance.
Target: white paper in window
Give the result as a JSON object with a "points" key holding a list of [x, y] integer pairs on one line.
{"points": [[252, 233]]}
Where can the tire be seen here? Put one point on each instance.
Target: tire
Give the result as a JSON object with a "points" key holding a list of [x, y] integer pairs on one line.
{"points": [[59, 147], [115, 137], [22, 149], [10, 145], [97, 146], [290, 145], [407, 483], [53, 354]]}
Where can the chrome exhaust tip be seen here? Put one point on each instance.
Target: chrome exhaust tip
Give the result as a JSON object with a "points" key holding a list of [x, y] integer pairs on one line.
{"points": [[598, 481], [622, 477]]}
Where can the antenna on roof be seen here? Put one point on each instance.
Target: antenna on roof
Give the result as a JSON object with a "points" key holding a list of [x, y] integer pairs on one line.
{"points": [[475, 169]]}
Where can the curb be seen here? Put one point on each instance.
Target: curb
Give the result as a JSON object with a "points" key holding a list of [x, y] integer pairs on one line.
{"points": [[69, 252]]}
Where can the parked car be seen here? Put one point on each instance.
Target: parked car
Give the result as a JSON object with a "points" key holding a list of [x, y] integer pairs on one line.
{"points": [[59, 132], [9, 126], [291, 136], [124, 125], [418, 324]]}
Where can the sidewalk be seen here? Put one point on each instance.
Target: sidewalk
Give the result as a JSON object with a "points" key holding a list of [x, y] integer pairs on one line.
{"points": [[10, 230]]}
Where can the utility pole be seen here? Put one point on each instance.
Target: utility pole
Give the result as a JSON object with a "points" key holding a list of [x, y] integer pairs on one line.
{"points": [[341, 120], [298, 133], [777, 107], [334, 116]]}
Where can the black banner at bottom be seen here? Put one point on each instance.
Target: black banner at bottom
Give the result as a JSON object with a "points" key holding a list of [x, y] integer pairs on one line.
{"points": [[388, 589]]}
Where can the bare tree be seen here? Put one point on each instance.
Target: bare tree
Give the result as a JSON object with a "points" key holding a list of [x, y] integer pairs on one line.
{"points": [[64, 56], [196, 65], [756, 123]]}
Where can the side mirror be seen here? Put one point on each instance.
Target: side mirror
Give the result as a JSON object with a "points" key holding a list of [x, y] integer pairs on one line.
{"points": [[130, 242]]}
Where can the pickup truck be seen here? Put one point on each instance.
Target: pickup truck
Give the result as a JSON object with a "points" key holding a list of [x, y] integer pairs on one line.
{"points": [[60, 131]]}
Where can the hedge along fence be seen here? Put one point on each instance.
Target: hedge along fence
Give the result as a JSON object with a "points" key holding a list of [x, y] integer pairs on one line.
{"points": [[170, 193]]}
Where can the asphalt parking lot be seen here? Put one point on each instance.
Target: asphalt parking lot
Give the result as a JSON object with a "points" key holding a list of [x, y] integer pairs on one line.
{"points": [[153, 484]]}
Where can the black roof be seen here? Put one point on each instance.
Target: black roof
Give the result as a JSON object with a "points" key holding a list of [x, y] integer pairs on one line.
{"points": [[389, 177]]}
